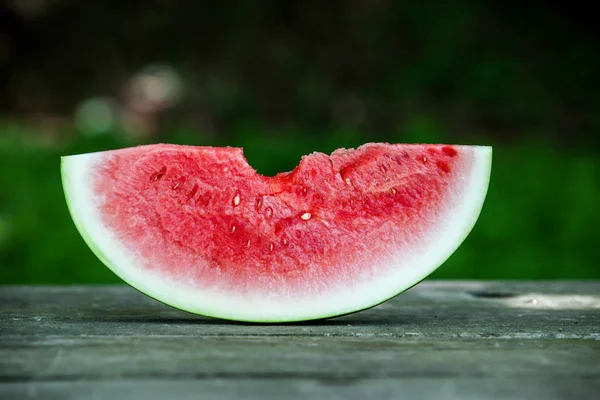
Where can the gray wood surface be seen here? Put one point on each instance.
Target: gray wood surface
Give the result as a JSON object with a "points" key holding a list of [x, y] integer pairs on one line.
{"points": [[446, 340]]}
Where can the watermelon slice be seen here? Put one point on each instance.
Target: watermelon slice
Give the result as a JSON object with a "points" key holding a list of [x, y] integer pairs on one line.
{"points": [[199, 229]]}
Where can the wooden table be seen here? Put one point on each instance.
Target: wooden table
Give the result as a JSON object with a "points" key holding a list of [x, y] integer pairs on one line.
{"points": [[440, 340]]}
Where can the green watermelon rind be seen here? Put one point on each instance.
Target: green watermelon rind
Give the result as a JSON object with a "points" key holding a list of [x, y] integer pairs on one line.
{"points": [[91, 242], [460, 242], [95, 249], [75, 215]]}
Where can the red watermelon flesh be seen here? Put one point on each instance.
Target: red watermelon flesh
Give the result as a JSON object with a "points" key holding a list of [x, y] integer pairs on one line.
{"points": [[200, 229]]}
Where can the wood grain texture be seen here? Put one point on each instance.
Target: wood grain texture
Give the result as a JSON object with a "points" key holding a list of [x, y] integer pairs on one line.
{"points": [[439, 340]]}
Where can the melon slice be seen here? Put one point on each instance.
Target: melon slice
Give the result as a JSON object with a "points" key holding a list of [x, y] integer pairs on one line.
{"points": [[199, 229]]}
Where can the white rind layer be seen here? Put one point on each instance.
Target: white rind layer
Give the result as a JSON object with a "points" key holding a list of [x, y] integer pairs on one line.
{"points": [[404, 271]]}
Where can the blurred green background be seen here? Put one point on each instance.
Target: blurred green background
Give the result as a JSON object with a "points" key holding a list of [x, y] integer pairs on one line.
{"points": [[283, 79]]}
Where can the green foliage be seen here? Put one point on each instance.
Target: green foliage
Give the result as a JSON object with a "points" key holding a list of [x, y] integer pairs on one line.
{"points": [[284, 80]]}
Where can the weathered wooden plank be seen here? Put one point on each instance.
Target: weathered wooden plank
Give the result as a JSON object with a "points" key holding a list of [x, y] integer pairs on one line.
{"points": [[434, 310], [302, 388], [439, 340], [287, 357]]}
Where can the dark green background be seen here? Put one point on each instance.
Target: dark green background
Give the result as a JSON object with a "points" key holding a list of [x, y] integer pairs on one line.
{"points": [[283, 79]]}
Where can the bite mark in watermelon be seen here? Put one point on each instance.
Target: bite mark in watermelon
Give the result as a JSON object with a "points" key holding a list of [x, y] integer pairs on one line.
{"points": [[199, 229]]}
